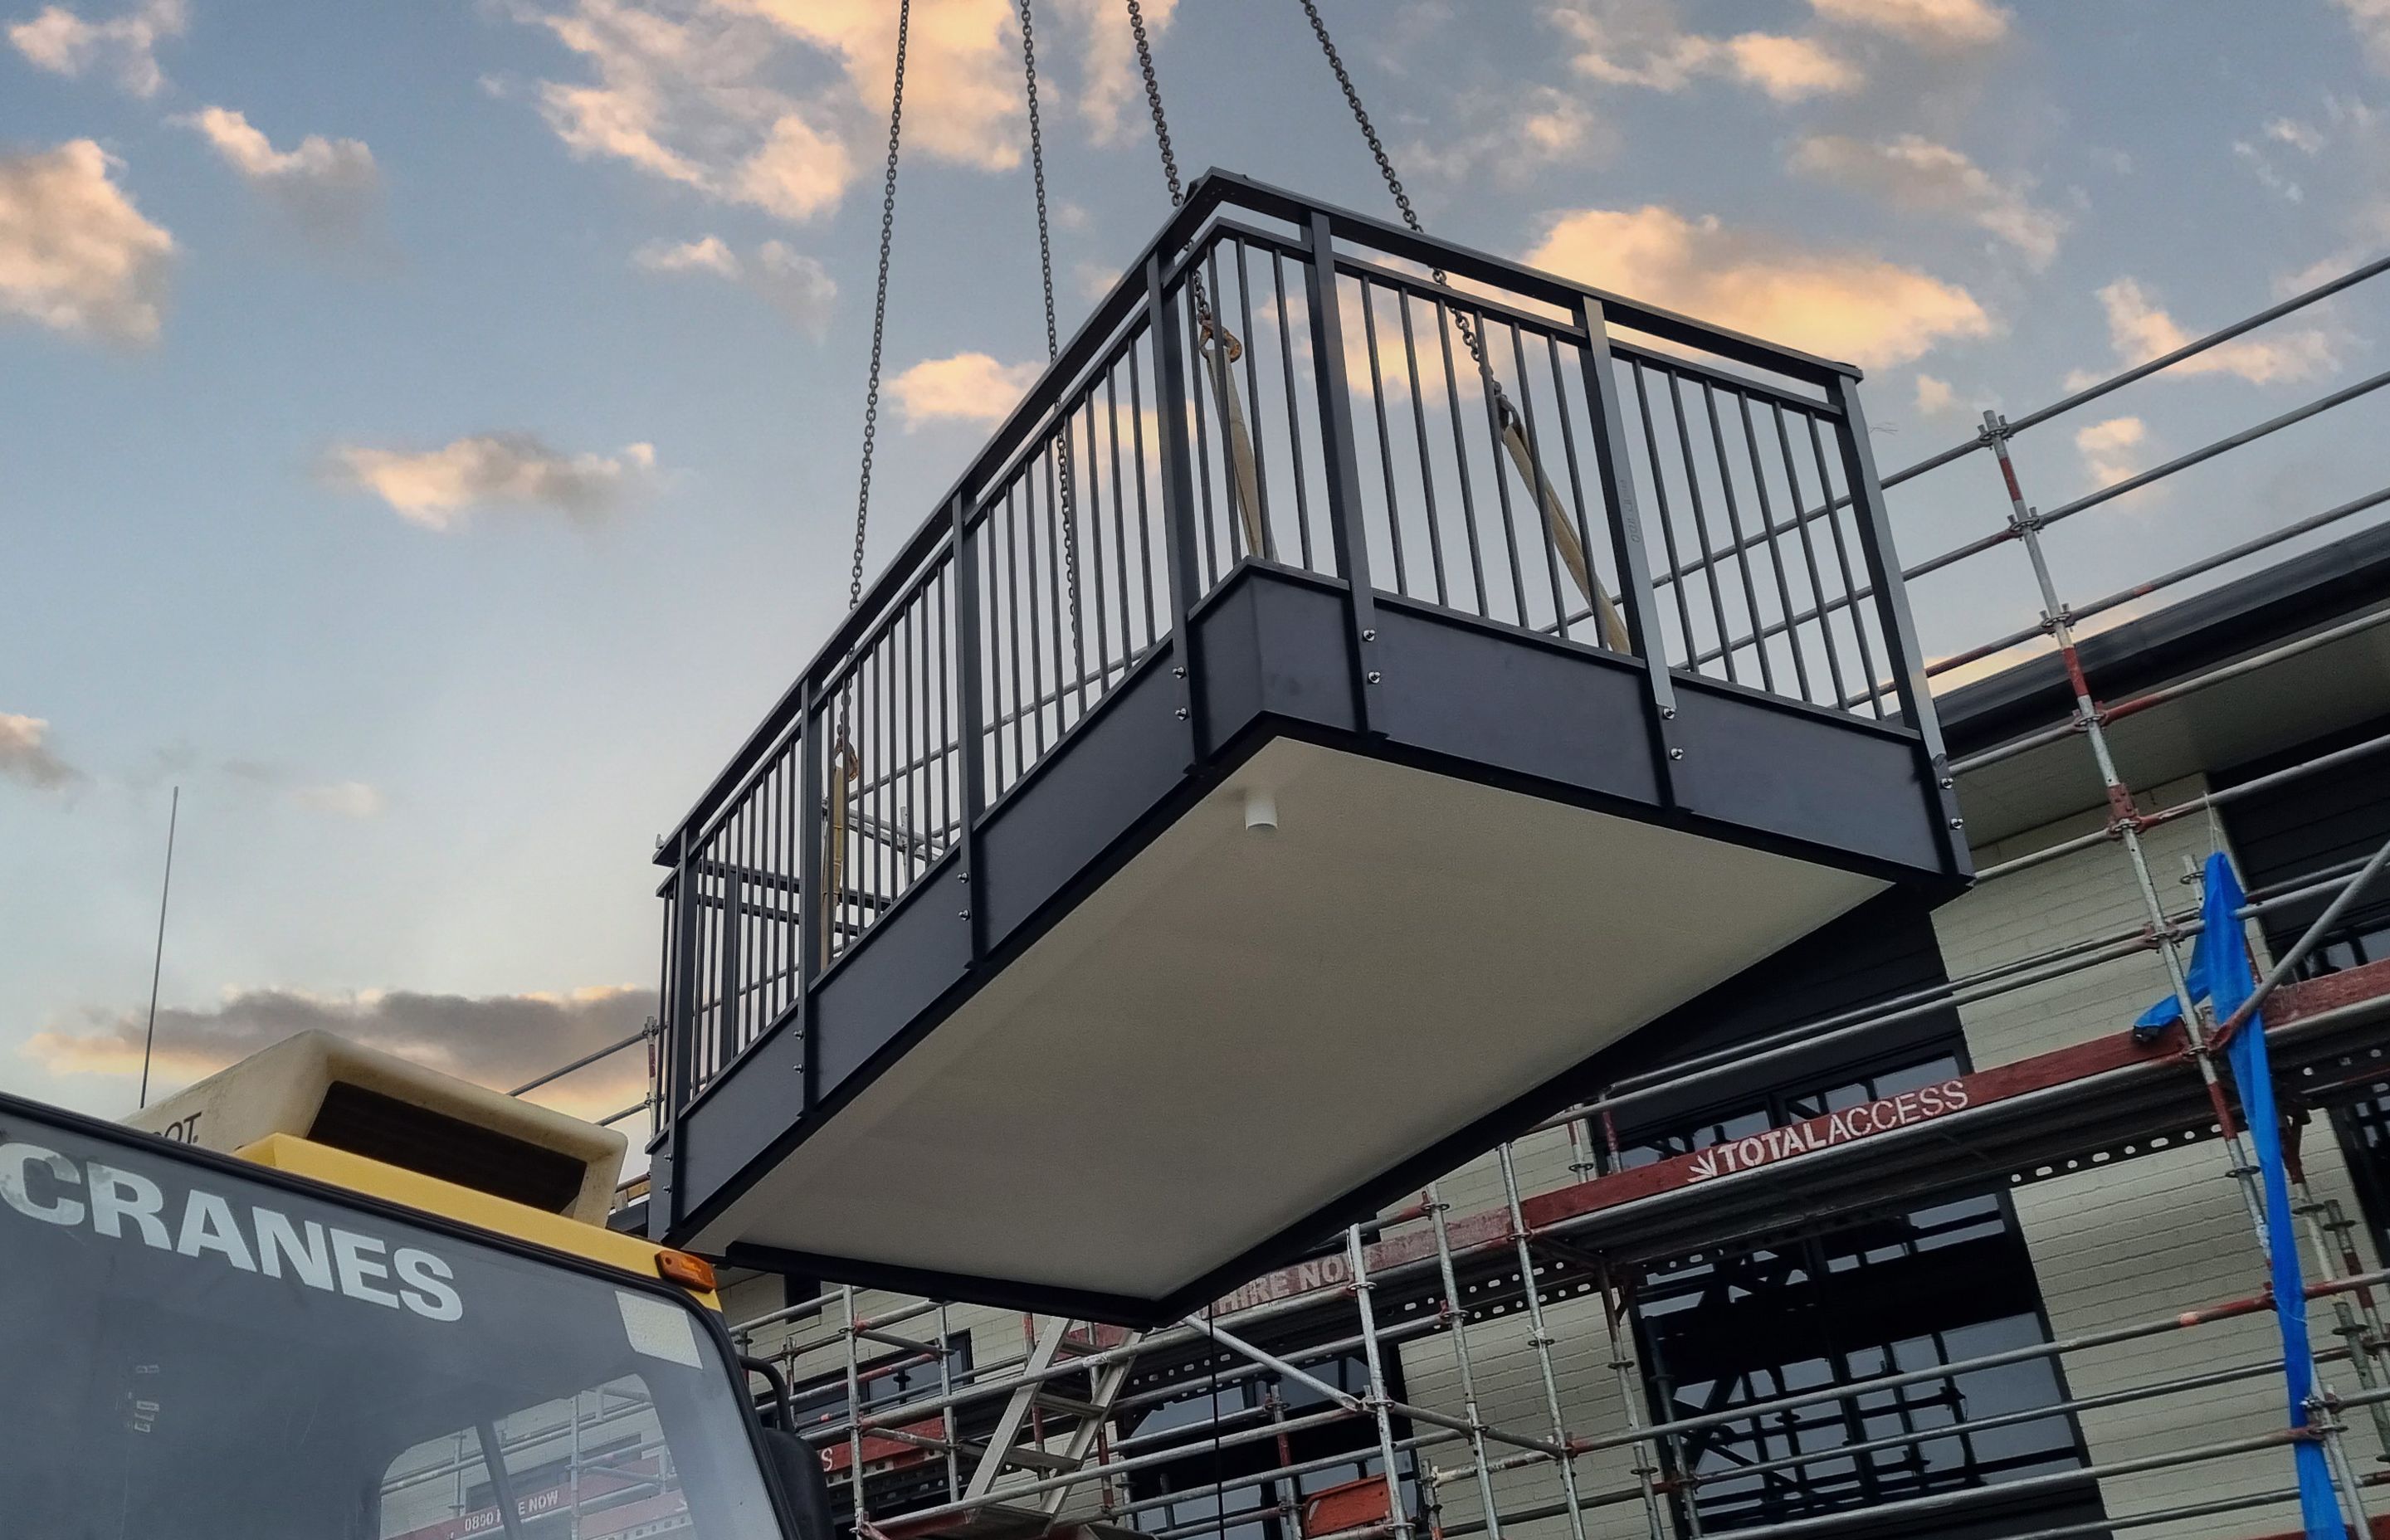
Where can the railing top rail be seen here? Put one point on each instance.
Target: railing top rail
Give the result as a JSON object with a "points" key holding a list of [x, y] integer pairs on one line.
{"points": [[1096, 336]]}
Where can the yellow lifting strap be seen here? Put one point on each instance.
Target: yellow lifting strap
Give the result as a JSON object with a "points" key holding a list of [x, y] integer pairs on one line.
{"points": [[1220, 348], [843, 767], [1564, 535]]}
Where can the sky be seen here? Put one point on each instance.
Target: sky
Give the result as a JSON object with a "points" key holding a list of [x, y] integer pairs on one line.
{"points": [[429, 432]]}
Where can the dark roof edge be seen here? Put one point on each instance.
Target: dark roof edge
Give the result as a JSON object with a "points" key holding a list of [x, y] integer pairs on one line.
{"points": [[2268, 605]]}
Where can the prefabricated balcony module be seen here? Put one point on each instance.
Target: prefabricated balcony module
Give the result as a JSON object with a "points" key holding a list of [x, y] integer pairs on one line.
{"points": [[1334, 709]]}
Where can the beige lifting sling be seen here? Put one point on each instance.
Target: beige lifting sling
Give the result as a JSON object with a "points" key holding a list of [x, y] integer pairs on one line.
{"points": [[1220, 348], [1556, 519], [843, 767]]}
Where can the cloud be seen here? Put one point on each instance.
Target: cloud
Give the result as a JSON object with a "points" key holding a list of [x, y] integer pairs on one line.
{"points": [[75, 255], [436, 488], [970, 386], [2269, 176], [1935, 26], [1845, 305], [963, 100], [1911, 171], [707, 255], [797, 171], [59, 41], [678, 95], [2303, 137], [2106, 448], [1512, 133], [2371, 21], [1791, 68], [1109, 75], [26, 756], [330, 187], [2139, 330], [497, 1040], [796, 285], [343, 799], [1934, 396], [1638, 43]]}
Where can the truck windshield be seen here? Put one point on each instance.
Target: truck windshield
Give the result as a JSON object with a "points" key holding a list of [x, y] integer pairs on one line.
{"points": [[191, 1354]]}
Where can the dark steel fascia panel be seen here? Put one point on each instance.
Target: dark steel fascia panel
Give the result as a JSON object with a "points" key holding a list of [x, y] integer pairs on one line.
{"points": [[1558, 716], [1750, 764], [1085, 798], [897, 971], [1273, 648], [749, 1106]]}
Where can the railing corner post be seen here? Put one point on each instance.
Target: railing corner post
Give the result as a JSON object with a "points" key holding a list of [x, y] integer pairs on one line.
{"points": [[1342, 472], [1614, 466], [680, 1029], [972, 707], [1177, 501], [813, 922], [1898, 621]]}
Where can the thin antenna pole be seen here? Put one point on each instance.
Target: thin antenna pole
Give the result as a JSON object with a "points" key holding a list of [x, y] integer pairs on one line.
{"points": [[149, 1039]]}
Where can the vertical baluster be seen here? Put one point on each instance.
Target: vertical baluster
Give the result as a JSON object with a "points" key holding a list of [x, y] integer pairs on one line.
{"points": [[1775, 547], [1154, 326], [1546, 536], [1091, 488], [725, 1020], [1491, 388], [1057, 530], [1385, 442], [1120, 503], [1740, 548], [1850, 599], [1809, 556], [1576, 483], [1444, 324], [1254, 408], [1189, 382], [1014, 706], [1668, 518], [912, 805], [1702, 523], [1418, 430], [1031, 527], [1293, 415]]}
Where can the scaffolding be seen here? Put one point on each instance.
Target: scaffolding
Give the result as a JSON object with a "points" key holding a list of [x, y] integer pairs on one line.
{"points": [[1034, 1441]]}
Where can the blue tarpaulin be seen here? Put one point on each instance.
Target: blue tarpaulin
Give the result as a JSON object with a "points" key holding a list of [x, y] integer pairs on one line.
{"points": [[2220, 973]]}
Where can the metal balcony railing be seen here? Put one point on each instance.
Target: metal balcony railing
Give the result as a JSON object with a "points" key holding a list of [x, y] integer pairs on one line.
{"points": [[1424, 424]]}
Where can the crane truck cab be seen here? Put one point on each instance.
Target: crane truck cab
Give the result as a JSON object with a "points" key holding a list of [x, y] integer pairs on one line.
{"points": [[327, 1294]]}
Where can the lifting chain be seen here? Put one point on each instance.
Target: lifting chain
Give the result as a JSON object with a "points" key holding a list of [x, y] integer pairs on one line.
{"points": [[1402, 199], [879, 307], [1170, 161], [1045, 277]]}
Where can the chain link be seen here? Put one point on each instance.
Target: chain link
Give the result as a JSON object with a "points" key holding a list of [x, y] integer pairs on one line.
{"points": [[1204, 323], [1153, 101], [879, 307], [1045, 277], [1394, 185]]}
